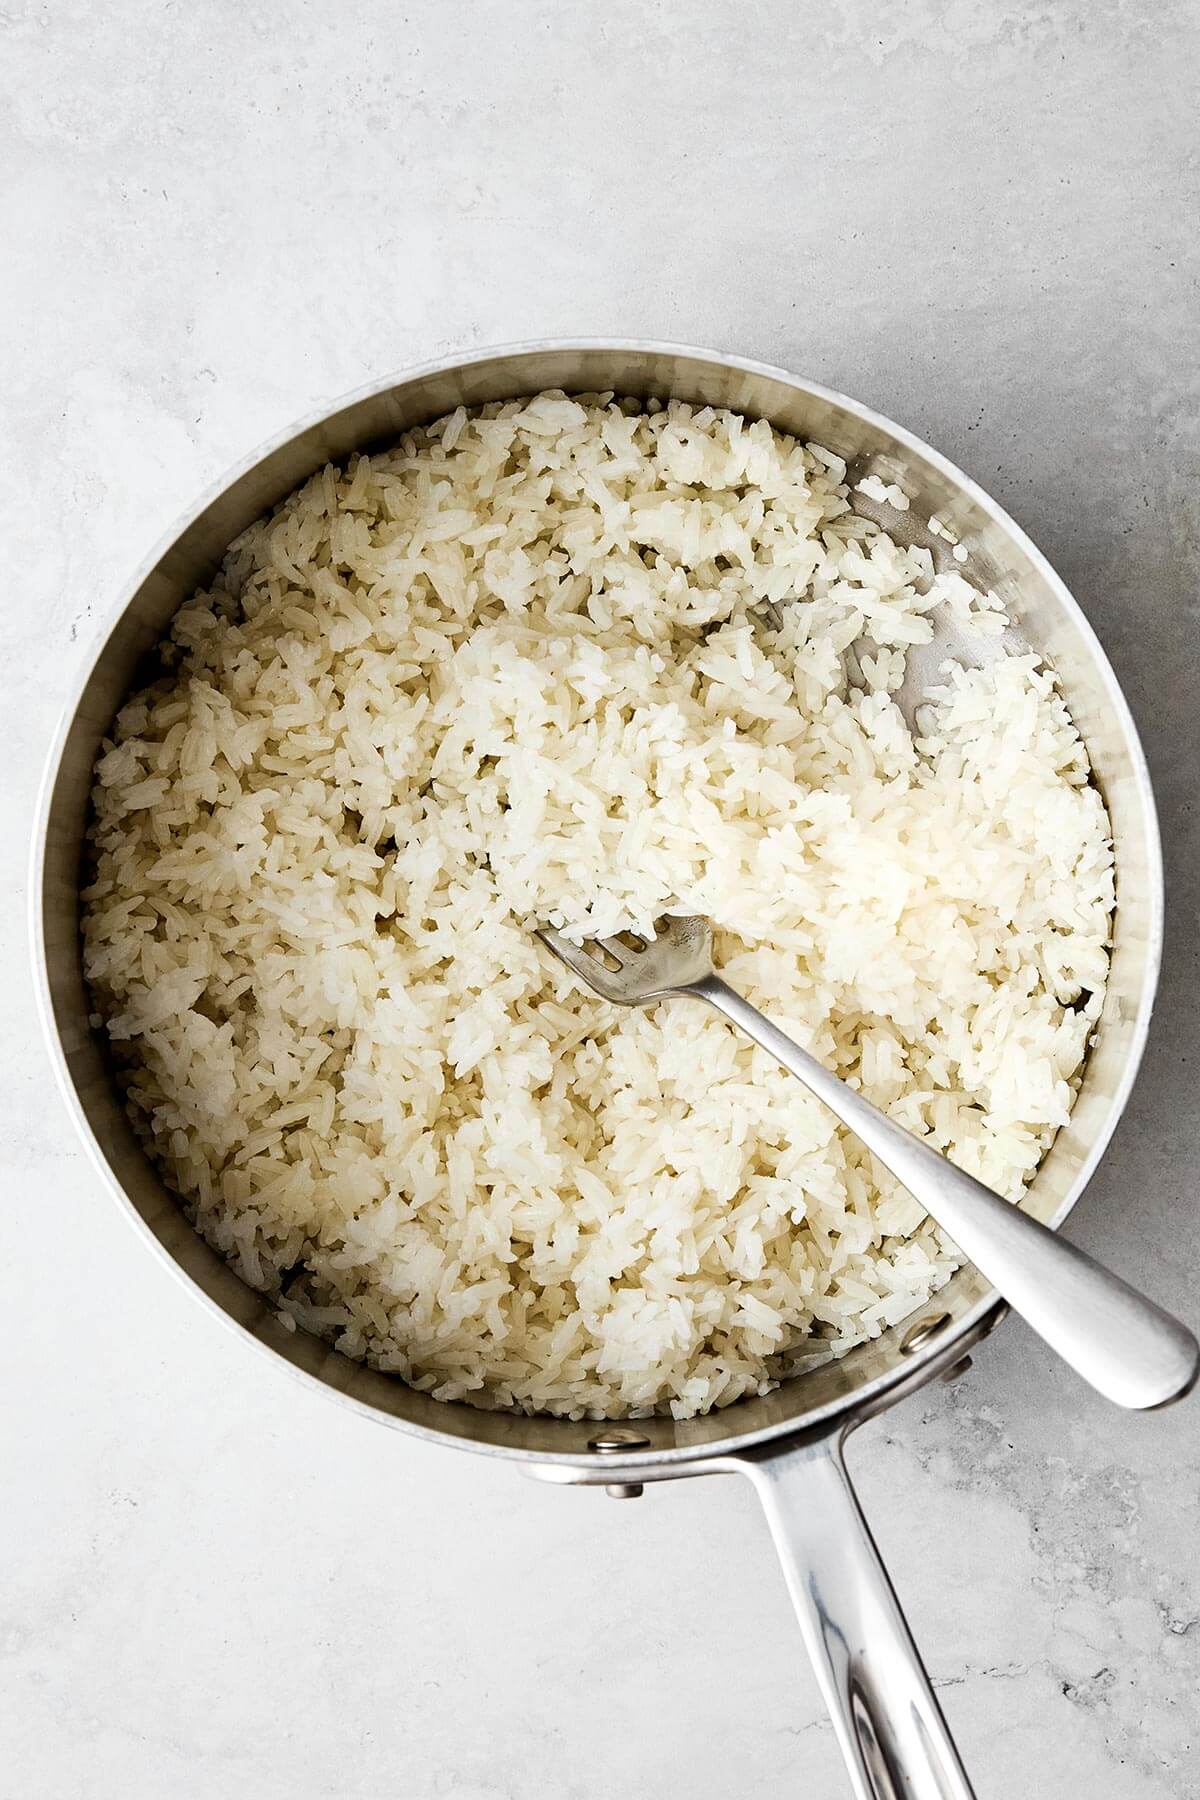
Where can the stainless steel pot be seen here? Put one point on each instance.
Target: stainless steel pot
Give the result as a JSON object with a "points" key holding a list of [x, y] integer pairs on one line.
{"points": [[789, 1443]]}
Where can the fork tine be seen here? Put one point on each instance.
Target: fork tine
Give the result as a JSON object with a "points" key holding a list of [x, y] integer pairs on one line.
{"points": [[588, 968], [677, 959]]}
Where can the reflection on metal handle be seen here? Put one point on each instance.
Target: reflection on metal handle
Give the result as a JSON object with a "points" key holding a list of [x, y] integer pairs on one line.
{"points": [[1125, 1346], [890, 1727]]}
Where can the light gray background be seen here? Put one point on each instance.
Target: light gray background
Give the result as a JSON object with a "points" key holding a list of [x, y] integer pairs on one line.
{"points": [[979, 216]]}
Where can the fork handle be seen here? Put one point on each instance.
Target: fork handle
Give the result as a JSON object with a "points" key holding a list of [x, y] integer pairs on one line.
{"points": [[1125, 1346]]}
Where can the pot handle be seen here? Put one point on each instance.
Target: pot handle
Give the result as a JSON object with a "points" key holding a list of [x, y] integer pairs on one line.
{"points": [[888, 1723]]}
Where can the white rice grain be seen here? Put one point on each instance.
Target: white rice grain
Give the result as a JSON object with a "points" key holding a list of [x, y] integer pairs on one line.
{"points": [[519, 668]]}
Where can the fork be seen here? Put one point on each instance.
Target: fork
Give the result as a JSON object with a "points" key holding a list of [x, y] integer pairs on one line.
{"points": [[1128, 1349]]}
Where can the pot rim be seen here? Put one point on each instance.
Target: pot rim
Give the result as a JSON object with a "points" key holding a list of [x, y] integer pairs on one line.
{"points": [[946, 1347]]}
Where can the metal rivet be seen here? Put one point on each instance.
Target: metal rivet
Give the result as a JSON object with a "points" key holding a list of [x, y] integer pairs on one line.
{"points": [[611, 1443], [960, 1368], [999, 1314], [625, 1490], [920, 1334]]}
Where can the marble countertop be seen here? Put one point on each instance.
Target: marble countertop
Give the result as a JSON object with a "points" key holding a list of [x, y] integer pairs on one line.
{"points": [[977, 217]]}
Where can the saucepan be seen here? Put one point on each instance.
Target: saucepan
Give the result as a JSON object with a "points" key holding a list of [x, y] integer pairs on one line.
{"points": [[790, 1442]]}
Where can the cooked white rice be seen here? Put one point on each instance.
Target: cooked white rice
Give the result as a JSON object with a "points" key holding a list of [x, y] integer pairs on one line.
{"points": [[520, 668]]}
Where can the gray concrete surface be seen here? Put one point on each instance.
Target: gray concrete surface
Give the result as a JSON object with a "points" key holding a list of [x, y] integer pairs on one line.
{"points": [[981, 219]]}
